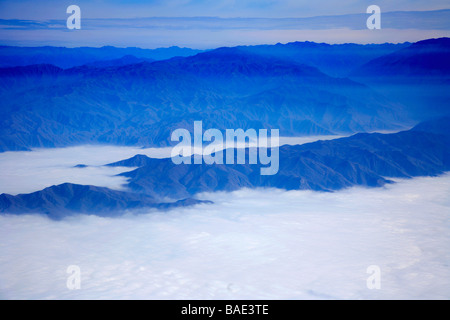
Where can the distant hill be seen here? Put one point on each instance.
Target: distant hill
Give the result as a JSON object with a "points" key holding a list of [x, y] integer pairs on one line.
{"points": [[423, 59], [417, 76], [68, 199], [333, 59], [70, 57], [125, 60]]}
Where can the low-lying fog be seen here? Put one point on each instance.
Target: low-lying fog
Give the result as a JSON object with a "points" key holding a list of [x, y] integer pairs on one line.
{"points": [[25, 172]]}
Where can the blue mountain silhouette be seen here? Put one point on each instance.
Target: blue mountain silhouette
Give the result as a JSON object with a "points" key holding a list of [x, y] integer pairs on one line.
{"points": [[361, 160]]}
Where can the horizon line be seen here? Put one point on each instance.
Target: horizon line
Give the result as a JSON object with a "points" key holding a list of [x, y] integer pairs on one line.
{"points": [[250, 45]]}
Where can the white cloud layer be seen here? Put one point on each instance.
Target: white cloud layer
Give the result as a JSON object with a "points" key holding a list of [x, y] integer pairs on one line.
{"points": [[25, 172], [250, 244]]}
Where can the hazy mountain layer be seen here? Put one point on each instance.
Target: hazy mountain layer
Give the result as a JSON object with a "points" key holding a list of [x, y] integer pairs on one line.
{"points": [[417, 76], [70, 57], [141, 104]]}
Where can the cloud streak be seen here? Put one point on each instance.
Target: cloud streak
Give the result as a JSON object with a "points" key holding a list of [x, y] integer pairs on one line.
{"points": [[422, 20], [210, 32], [50, 9]]}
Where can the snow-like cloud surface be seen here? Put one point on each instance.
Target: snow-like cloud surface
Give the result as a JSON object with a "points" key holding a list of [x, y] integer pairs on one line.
{"points": [[25, 172], [250, 244]]}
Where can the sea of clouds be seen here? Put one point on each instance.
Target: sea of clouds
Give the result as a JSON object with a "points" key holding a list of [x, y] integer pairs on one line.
{"points": [[249, 244]]}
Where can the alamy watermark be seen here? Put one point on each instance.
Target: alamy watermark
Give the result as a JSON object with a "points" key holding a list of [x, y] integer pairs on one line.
{"points": [[374, 21], [74, 20], [74, 279], [261, 148], [374, 280]]}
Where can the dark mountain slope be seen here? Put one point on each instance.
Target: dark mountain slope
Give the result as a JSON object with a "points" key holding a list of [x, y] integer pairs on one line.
{"points": [[69, 199], [333, 59], [440, 126], [427, 58], [417, 77], [363, 159]]}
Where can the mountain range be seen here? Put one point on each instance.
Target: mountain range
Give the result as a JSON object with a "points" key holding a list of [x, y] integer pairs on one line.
{"points": [[337, 60], [132, 96], [417, 76], [65, 58], [364, 159], [298, 88]]}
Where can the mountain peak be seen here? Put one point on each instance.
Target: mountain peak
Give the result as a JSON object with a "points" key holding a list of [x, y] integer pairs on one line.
{"points": [[138, 160]]}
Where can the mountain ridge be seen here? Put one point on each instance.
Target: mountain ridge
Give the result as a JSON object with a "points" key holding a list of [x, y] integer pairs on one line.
{"points": [[67, 199], [417, 76], [368, 160], [11, 56]]}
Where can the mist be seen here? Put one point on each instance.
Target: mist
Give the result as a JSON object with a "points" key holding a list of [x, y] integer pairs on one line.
{"points": [[30, 171], [249, 244]]}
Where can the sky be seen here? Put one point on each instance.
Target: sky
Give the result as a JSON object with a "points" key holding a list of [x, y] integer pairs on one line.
{"points": [[205, 24], [51, 9]]}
